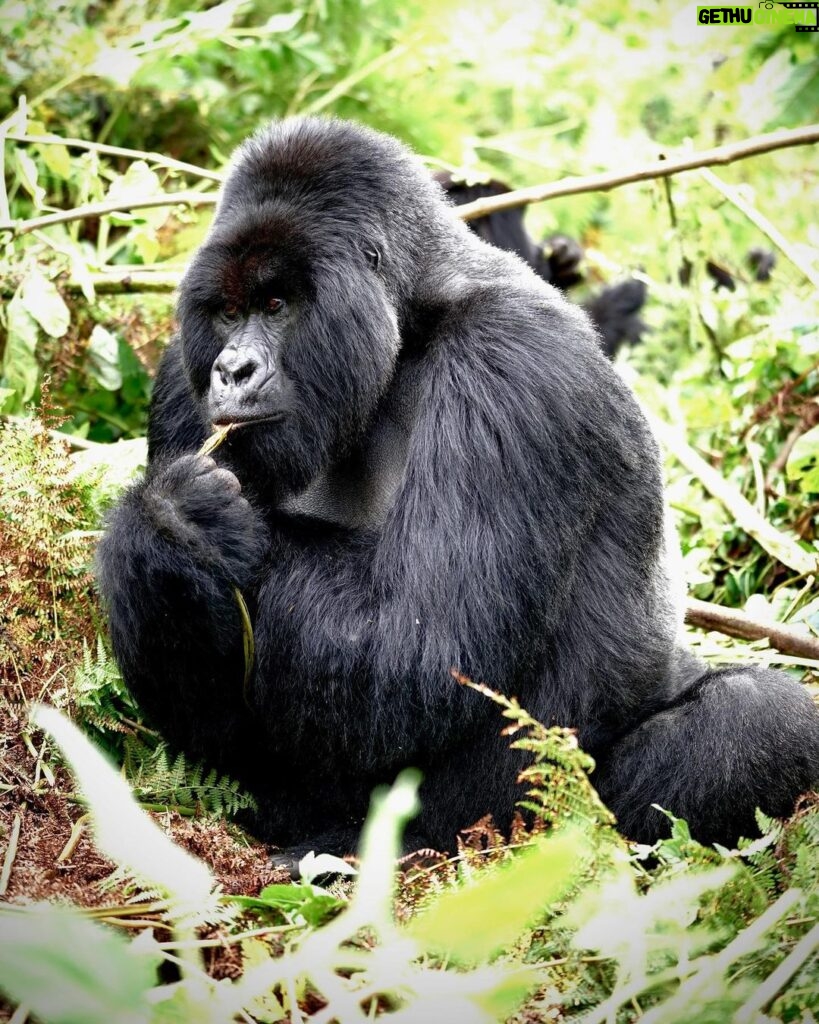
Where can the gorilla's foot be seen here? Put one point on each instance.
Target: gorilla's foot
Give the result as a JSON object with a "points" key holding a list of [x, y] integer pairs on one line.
{"points": [[737, 739]]}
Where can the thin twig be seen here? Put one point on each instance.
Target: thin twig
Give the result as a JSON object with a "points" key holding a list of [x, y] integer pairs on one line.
{"points": [[342, 87], [229, 940], [20, 1015], [752, 146], [22, 227], [77, 830], [131, 279], [127, 910], [123, 280], [780, 460], [760, 221], [11, 853], [130, 154], [776, 543], [731, 622]]}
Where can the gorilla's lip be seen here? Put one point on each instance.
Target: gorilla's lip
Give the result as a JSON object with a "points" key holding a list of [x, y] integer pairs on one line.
{"points": [[226, 420]]}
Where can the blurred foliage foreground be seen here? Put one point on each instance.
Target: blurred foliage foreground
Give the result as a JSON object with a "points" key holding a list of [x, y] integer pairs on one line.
{"points": [[178, 917]]}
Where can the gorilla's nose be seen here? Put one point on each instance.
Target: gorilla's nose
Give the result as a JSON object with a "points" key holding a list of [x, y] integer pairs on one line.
{"points": [[238, 370]]}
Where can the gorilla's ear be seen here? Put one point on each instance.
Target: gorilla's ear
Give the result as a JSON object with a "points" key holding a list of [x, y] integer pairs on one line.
{"points": [[373, 254]]}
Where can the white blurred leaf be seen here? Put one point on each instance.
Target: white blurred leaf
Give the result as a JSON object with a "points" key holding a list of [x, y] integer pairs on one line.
{"points": [[42, 300], [117, 65], [103, 358], [124, 832], [139, 180], [69, 970], [283, 22]]}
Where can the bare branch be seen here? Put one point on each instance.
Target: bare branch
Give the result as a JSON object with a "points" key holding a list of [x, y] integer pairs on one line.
{"points": [[805, 424], [731, 622], [22, 227], [480, 208], [130, 154], [659, 169], [132, 279]]}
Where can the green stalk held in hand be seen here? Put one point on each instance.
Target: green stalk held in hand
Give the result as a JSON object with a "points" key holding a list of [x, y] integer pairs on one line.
{"points": [[248, 642]]}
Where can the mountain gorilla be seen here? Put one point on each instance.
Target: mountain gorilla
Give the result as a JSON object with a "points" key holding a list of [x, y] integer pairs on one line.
{"points": [[434, 466]]}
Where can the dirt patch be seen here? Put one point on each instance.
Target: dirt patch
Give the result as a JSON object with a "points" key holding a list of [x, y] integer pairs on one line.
{"points": [[38, 820]]}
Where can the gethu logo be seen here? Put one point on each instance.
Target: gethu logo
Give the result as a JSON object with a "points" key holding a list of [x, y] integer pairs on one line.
{"points": [[803, 15]]}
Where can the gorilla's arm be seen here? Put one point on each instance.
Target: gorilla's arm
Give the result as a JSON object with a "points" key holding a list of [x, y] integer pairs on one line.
{"points": [[177, 545]]}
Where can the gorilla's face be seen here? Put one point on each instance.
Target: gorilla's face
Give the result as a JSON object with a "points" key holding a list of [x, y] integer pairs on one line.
{"points": [[288, 332]]}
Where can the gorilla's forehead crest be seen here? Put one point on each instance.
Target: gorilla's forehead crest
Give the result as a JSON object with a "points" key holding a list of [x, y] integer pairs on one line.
{"points": [[326, 164]]}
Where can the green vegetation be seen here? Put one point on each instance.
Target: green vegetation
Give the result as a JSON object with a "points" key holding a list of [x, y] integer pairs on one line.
{"points": [[117, 103]]}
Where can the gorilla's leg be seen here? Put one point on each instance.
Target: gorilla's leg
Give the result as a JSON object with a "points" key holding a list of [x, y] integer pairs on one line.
{"points": [[735, 739]]}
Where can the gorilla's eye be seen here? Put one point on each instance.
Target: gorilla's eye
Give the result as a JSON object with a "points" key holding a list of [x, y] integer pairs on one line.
{"points": [[273, 305]]}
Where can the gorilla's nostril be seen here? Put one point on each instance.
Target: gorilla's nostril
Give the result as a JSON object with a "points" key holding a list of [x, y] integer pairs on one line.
{"points": [[241, 373]]}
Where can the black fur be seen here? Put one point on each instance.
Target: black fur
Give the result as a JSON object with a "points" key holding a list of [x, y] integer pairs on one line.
{"points": [[614, 310], [450, 474]]}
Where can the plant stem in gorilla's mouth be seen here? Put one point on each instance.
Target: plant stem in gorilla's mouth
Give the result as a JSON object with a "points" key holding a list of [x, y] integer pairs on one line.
{"points": [[248, 641], [212, 442]]}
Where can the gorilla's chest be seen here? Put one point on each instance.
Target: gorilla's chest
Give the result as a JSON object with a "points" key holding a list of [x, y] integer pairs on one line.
{"points": [[358, 491]]}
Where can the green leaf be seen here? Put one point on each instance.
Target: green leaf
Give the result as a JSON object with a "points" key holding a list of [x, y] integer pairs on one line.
{"points": [[27, 170], [58, 160], [313, 903], [502, 998], [42, 300], [266, 1008], [146, 244], [7, 399], [20, 370], [474, 923], [103, 359], [68, 970], [803, 462]]}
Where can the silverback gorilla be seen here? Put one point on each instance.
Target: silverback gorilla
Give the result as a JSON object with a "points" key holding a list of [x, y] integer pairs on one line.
{"points": [[434, 466]]}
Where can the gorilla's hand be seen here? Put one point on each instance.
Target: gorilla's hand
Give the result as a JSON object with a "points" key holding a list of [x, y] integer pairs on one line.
{"points": [[198, 505]]}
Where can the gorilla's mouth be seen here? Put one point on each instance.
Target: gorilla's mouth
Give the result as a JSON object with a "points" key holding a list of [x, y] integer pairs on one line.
{"points": [[231, 420]]}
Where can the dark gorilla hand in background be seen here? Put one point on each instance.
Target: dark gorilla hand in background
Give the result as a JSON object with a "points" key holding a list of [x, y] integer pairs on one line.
{"points": [[436, 467]]}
